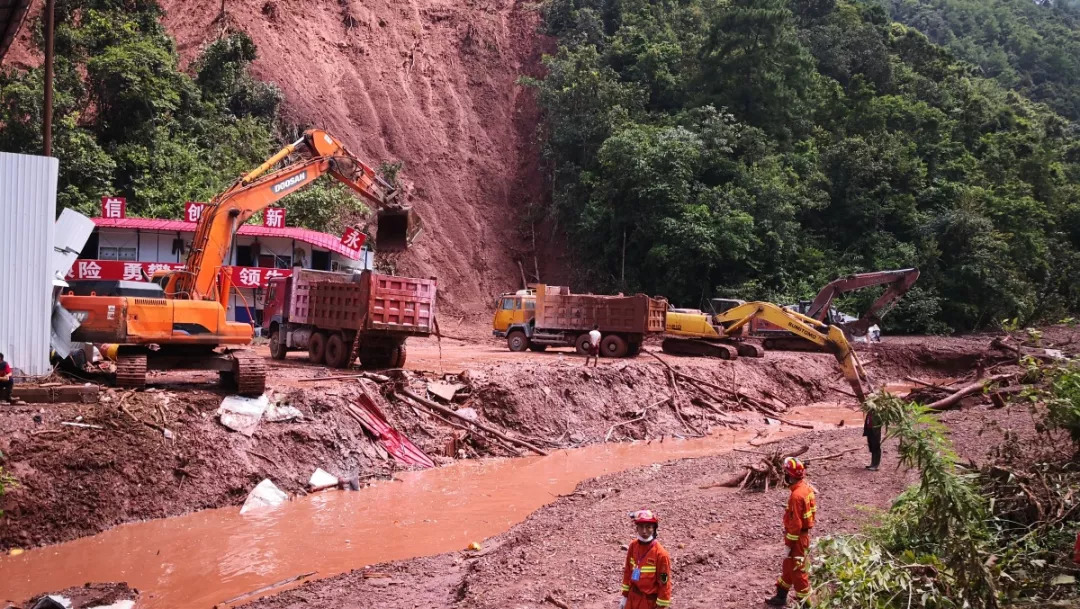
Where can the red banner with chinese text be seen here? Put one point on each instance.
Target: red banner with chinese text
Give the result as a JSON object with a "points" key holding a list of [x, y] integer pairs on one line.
{"points": [[112, 270]]}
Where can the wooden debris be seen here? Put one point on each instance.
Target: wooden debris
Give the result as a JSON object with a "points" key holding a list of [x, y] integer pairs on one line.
{"points": [[967, 390], [446, 411], [644, 412]]}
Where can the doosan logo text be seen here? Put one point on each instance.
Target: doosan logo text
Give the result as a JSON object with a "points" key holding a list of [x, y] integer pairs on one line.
{"points": [[289, 183]]}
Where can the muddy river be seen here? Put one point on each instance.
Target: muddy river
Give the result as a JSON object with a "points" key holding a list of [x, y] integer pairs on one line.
{"points": [[205, 558]]}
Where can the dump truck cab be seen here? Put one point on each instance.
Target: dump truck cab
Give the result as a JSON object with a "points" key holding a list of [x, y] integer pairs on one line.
{"points": [[513, 309]]}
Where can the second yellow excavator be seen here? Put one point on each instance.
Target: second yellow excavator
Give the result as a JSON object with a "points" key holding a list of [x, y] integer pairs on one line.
{"points": [[694, 332], [184, 327]]}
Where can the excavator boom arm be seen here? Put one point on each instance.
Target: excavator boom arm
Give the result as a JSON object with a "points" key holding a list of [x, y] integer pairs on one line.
{"points": [[900, 281], [257, 190], [829, 338]]}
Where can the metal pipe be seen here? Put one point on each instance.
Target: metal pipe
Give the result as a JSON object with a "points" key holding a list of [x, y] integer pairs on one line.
{"points": [[48, 109]]}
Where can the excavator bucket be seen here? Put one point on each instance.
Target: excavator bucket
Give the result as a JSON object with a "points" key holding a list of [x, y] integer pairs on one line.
{"points": [[396, 229]]}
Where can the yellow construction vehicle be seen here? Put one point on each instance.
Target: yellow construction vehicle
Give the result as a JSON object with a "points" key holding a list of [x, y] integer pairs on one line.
{"points": [[696, 333]]}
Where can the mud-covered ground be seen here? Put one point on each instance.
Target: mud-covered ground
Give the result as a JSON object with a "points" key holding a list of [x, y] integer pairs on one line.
{"points": [[75, 481], [726, 545]]}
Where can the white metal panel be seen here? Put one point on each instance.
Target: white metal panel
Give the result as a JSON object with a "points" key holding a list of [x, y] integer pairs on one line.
{"points": [[70, 233], [28, 205]]}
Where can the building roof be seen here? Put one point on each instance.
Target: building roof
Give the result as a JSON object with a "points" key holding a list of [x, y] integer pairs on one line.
{"points": [[12, 14], [312, 237]]}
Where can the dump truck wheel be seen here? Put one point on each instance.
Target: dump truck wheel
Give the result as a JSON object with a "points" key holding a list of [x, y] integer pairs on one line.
{"points": [[316, 348], [399, 357], [633, 349], [278, 350], [517, 341], [337, 352], [613, 345], [537, 348], [582, 344]]}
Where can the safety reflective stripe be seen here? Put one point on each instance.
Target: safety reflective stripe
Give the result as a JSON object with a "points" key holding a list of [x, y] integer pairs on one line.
{"points": [[783, 584], [810, 512], [660, 603], [625, 588], [651, 569], [803, 594], [793, 537]]}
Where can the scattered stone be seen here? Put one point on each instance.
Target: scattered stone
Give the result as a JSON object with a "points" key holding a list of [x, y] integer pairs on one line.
{"points": [[321, 480], [446, 391], [128, 604], [242, 414], [52, 601], [264, 495], [468, 413]]}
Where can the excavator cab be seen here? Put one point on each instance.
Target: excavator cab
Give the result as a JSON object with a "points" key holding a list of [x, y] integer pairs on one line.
{"points": [[396, 228]]}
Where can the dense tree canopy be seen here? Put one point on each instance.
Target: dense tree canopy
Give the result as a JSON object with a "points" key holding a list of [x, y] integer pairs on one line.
{"points": [[760, 148], [128, 121]]}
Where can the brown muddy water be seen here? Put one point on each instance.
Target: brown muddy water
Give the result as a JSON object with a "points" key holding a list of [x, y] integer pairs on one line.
{"points": [[204, 558]]}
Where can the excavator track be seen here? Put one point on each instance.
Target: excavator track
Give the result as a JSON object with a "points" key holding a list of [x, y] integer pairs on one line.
{"points": [[750, 349], [697, 347], [131, 371], [250, 372]]}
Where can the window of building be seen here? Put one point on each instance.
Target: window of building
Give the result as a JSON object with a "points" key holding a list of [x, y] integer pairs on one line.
{"points": [[117, 253], [320, 260]]}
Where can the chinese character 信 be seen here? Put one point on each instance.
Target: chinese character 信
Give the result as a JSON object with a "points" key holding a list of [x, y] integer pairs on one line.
{"points": [[113, 208]]}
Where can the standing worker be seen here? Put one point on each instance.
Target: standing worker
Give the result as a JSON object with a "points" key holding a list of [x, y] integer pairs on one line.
{"points": [[872, 431], [6, 384], [594, 345], [646, 580], [798, 520]]}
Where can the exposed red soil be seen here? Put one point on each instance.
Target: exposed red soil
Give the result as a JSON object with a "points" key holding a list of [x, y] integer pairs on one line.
{"points": [[76, 481], [725, 544], [91, 595], [428, 82]]}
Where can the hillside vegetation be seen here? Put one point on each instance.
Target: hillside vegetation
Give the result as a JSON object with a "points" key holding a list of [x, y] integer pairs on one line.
{"points": [[760, 148], [127, 121]]}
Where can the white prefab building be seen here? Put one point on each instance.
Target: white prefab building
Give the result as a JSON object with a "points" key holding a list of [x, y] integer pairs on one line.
{"points": [[133, 248], [28, 202]]}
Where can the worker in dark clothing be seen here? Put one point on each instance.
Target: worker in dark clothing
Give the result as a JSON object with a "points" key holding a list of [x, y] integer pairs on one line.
{"points": [[872, 431], [6, 384]]}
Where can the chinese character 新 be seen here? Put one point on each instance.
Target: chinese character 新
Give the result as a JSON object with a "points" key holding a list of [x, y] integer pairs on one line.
{"points": [[274, 217], [250, 277], [89, 270]]}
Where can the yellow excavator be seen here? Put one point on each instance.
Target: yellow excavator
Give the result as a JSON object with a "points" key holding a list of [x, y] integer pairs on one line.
{"points": [[693, 332], [184, 328]]}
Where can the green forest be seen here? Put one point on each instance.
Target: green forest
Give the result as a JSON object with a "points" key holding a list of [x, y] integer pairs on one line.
{"points": [[760, 148], [129, 121]]}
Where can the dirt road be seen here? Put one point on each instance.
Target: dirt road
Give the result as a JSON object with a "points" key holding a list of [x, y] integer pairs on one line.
{"points": [[725, 544]]}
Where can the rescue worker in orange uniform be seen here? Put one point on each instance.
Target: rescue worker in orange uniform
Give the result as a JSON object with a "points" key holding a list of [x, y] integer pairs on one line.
{"points": [[646, 581], [798, 520]]}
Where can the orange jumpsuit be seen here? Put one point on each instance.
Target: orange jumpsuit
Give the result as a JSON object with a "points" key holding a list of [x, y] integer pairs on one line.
{"points": [[652, 588], [798, 520]]}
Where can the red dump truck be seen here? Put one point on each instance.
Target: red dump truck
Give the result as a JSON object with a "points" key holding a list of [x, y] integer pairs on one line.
{"points": [[338, 317], [550, 315]]}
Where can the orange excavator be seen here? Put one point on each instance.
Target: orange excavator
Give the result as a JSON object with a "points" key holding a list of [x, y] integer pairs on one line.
{"points": [[186, 328]]}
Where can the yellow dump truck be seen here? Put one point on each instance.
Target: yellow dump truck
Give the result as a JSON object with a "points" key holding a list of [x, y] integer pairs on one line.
{"points": [[549, 315]]}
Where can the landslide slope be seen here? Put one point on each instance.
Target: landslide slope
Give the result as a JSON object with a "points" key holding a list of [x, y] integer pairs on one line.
{"points": [[428, 82]]}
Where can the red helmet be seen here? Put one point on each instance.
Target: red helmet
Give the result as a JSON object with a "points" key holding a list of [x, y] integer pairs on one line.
{"points": [[644, 516], [794, 468]]}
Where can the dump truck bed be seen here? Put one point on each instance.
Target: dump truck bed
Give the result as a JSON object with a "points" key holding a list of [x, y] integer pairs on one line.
{"points": [[558, 309], [372, 303]]}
